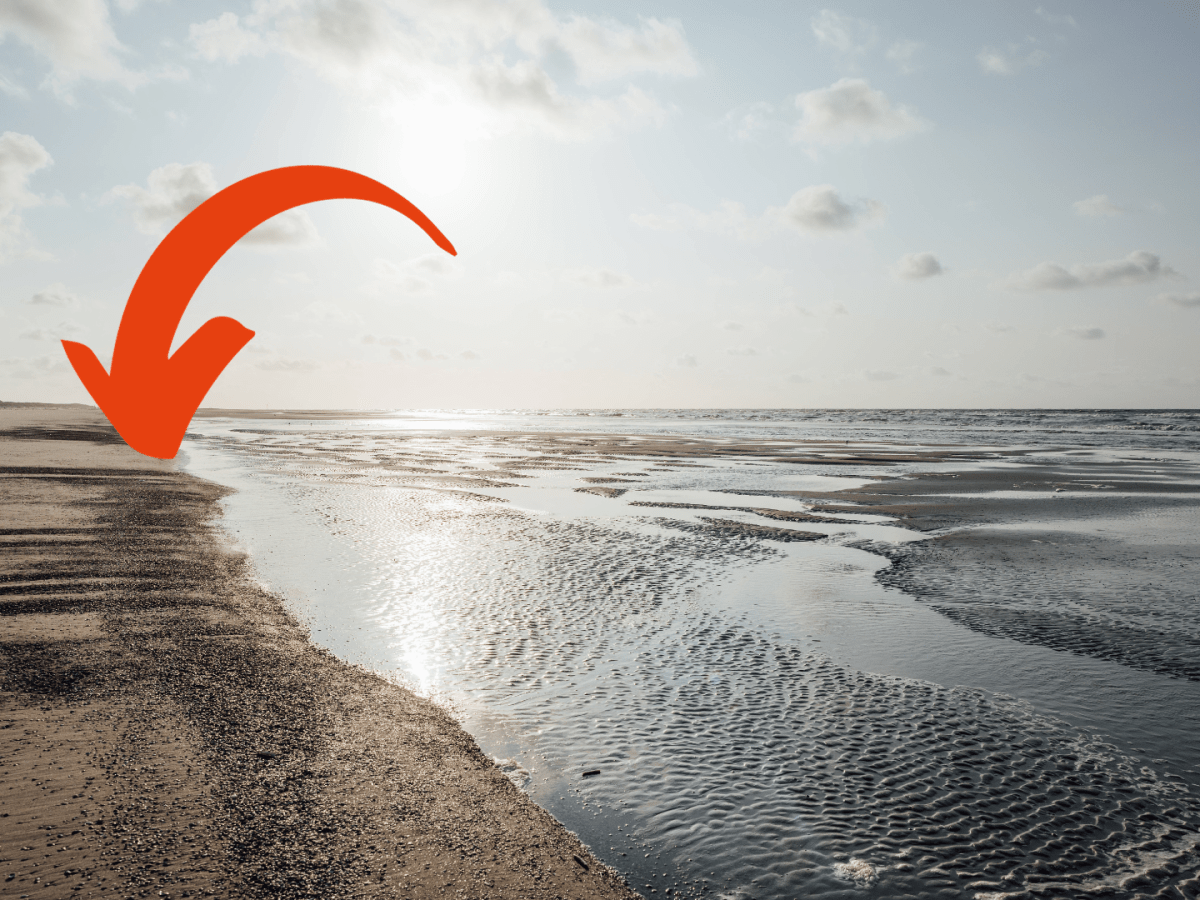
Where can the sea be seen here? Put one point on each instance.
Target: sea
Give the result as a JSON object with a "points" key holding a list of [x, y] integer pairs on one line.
{"points": [[721, 647]]}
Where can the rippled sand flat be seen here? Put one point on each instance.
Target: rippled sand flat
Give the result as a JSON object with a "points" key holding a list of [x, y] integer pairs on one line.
{"points": [[768, 669]]}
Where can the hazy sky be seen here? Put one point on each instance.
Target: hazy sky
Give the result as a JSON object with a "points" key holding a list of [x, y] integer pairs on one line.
{"points": [[655, 205]]}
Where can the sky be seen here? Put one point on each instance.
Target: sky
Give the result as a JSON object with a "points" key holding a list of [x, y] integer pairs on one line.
{"points": [[661, 204]]}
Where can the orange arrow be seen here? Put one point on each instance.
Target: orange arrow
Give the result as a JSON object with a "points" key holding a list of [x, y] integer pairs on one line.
{"points": [[150, 397]]}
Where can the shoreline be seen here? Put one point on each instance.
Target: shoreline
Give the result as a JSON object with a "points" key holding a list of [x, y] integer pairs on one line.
{"points": [[168, 727]]}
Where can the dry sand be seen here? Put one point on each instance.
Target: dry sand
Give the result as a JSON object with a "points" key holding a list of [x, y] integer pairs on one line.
{"points": [[166, 729]]}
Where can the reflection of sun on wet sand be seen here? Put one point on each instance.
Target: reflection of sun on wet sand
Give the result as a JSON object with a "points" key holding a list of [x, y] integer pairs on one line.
{"points": [[169, 731]]}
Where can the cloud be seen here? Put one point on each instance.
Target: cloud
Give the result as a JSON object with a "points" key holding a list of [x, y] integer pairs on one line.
{"points": [[1098, 206], [845, 34], [1139, 267], [470, 354], [1011, 60], [999, 327], [56, 333], [938, 371], [1054, 19], [821, 209], [292, 228], [56, 294], [39, 367], [732, 326], [918, 265], [224, 39], [386, 341], [414, 275], [742, 351], [728, 218], [601, 278], [1086, 332], [174, 190], [878, 375], [816, 209], [850, 111], [282, 364], [323, 313], [687, 361], [484, 58], [75, 36], [529, 98], [903, 54], [20, 156], [1184, 301], [607, 50]]}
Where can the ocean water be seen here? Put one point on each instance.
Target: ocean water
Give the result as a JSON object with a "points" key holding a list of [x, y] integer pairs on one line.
{"points": [[776, 698]]}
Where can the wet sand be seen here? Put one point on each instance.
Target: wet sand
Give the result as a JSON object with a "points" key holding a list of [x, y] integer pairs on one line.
{"points": [[166, 728]]}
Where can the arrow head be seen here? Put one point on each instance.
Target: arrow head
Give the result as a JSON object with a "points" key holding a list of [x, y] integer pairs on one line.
{"points": [[151, 401]]}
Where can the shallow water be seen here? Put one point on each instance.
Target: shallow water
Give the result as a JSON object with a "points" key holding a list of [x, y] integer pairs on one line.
{"points": [[767, 719]]}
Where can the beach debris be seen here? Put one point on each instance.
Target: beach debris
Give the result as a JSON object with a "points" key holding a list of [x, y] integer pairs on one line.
{"points": [[513, 770], [581, 862], [590, 772], [859, 871]]}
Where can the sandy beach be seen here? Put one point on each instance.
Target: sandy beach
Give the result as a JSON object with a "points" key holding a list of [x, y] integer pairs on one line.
{"points": [[167, 730]]}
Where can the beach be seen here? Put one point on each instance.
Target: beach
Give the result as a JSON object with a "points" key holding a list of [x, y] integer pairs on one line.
{"points": [[735, 654], [168, 730]]}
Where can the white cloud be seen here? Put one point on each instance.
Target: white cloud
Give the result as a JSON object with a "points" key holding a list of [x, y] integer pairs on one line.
{"points": [[1055, 19], [469, 354], [687, 361], [174, 190], [283, 364], [10, 87], [879, 375], [20, 156], [485, 58], [386, 341], [732, 326], [75, 36], [939, 372], [38, 367], [54, 333], [56, 294], [845, 34], [324, 314], [850, 111], [593, 277], [292, 228], [747, 122], [903, 54], [413, 275], [1009, 61], [1098, 206], [1139, 267], [728, 218], [918, 266], [1184, 301], [820, 208], [607, 50], [528, 97], [224, 39], [1086, 332]]}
